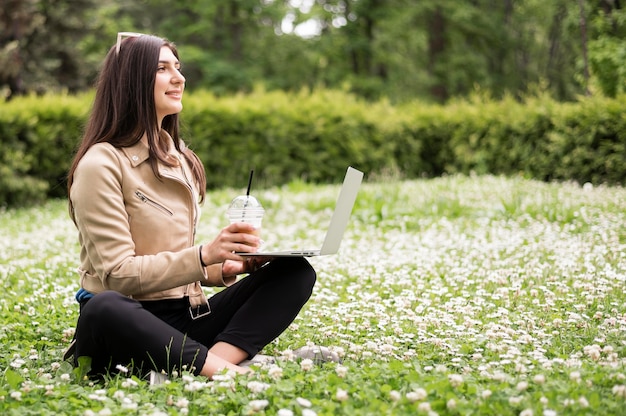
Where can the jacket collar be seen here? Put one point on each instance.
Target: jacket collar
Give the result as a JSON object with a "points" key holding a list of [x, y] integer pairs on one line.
{"points": [[139, 152]]}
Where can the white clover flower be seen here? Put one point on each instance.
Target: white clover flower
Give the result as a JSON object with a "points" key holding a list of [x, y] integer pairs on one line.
{"points": [[341, 371], [451, 404], [619, 390], [575, 376], [105, 412], [258, 405], [341, 395], [119, 395], [128, 404], [195, 385], [308, 412], [65, 377], [303, 402], [16, 395], [122, 369], [395, 395], [549, 412], [275, 372], [129, 382], [182, 403], [284, 412], [424, 407], [539, 379], [55, 366], [526, 412], [455, 380], [417, 394], [187, 378], [257, 387], [515, 400], [522, 385], [306, 364], [583, 402], [17, 363]]}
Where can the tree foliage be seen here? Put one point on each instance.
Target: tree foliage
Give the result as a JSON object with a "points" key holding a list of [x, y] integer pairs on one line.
{"points": [[401, 49]]}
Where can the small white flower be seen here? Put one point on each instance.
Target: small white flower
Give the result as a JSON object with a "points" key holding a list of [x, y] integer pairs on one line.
{"points": [[258, 405], [284, 412], [341, 395], [303, 402], [451, 404], [575, 376], [128, 404], [455, 380], [526, 412], [619, 390], [424, 407], [306, 364], [341, 371], [257, 387], [539, 379], [583, 402], [182, 403], [515, 400], [121, 369], [275, 372], [65, 377], [105, 412], [16, 395], [308, 412], [395, 395], [522, 385], [129, 382]]}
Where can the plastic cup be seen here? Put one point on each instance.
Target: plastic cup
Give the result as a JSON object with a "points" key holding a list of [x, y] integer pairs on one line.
{"points": [[246, 208]]}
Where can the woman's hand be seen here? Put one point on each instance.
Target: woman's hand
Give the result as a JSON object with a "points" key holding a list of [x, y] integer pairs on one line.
{"points": [[238, 237], [249, 265]]}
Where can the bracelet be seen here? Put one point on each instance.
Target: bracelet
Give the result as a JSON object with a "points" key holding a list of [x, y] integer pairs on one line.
{"points": [[201, 261]]}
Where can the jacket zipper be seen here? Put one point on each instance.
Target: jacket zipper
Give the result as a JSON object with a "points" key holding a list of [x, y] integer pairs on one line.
{"points": [[186, 182], [153, 203]]}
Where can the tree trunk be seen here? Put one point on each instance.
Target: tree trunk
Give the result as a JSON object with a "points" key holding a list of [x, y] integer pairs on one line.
{"points": [[436, 47]]}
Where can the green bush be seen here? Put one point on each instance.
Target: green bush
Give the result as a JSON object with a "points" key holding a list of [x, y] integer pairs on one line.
{"points": [[314, 136]]}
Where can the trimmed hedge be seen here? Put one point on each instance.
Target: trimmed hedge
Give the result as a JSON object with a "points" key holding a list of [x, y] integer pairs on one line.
{"points": [[314, 136]]}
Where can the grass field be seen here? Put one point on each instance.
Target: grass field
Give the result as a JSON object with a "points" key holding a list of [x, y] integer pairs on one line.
{"points": [[456, 295]]}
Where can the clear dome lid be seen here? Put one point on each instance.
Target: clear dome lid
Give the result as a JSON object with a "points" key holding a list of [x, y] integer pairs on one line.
{"points": [[247, 202]]}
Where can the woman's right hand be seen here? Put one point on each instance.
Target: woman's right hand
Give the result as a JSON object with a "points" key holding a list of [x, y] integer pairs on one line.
{"points": [[238, 237]]}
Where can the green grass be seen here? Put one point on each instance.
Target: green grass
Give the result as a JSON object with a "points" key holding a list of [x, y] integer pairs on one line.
{"points": [[456, 295]]}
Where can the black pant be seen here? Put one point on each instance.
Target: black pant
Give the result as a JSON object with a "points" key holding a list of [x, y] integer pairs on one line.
{"points": [[161, 335]]}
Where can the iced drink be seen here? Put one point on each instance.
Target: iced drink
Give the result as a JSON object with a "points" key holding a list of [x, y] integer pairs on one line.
{"points": [[246, 208]]}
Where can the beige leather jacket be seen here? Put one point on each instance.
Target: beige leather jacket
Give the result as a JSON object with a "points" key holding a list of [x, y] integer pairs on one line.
{"points": [[136, 231]]}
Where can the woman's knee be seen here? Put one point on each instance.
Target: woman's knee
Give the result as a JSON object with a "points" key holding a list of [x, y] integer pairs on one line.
{"points": [[300, 273], [106, 305]]}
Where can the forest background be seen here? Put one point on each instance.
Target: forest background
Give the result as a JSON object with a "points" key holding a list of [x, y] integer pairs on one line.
{"points": [[398, 49], [302, 88]]}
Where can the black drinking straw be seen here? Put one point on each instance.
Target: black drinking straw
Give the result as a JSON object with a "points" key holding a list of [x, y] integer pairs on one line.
{"points": [[250, 182]]}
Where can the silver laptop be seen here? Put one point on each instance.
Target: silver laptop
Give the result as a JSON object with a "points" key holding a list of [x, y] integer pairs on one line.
{"points": [[338, 222]]}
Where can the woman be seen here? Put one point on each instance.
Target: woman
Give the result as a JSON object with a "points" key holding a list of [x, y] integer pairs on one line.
{"points": [[134, 191]]}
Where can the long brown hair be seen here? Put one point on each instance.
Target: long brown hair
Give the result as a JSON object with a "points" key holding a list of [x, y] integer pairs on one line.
{"points": [[124, 109]]}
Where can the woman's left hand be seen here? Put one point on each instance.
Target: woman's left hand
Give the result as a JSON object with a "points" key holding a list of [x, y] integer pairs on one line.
{"points": [[251, 264]]}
